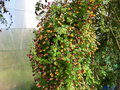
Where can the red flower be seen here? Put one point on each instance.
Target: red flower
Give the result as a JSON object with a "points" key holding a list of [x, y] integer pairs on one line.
{"points": [[38, 85], [30, 56]]}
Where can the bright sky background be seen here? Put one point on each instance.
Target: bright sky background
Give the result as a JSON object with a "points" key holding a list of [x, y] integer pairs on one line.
{"points": [[23, 13]]}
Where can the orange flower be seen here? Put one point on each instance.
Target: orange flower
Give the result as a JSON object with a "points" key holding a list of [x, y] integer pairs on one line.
{"points": [[63, 58], [41, 29], [56, 73], [93, 15], [61, 50], [80, 3], [51, 74], [41, 37], [44, 42], [39, 25], [62, 46], [89, 7], [92, 1], [38, 85], [69, 8], [79, 7], [48, 31]]}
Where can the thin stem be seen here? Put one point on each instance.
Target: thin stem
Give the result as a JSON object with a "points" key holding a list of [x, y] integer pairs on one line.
{"points": [[108, 17], [116, 41]]}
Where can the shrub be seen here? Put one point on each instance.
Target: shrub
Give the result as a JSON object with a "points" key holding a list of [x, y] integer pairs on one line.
{"points": [[64, 46]]}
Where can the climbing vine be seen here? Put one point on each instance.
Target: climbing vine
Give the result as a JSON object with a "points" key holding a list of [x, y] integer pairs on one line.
{"points": [[64, 46]]}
